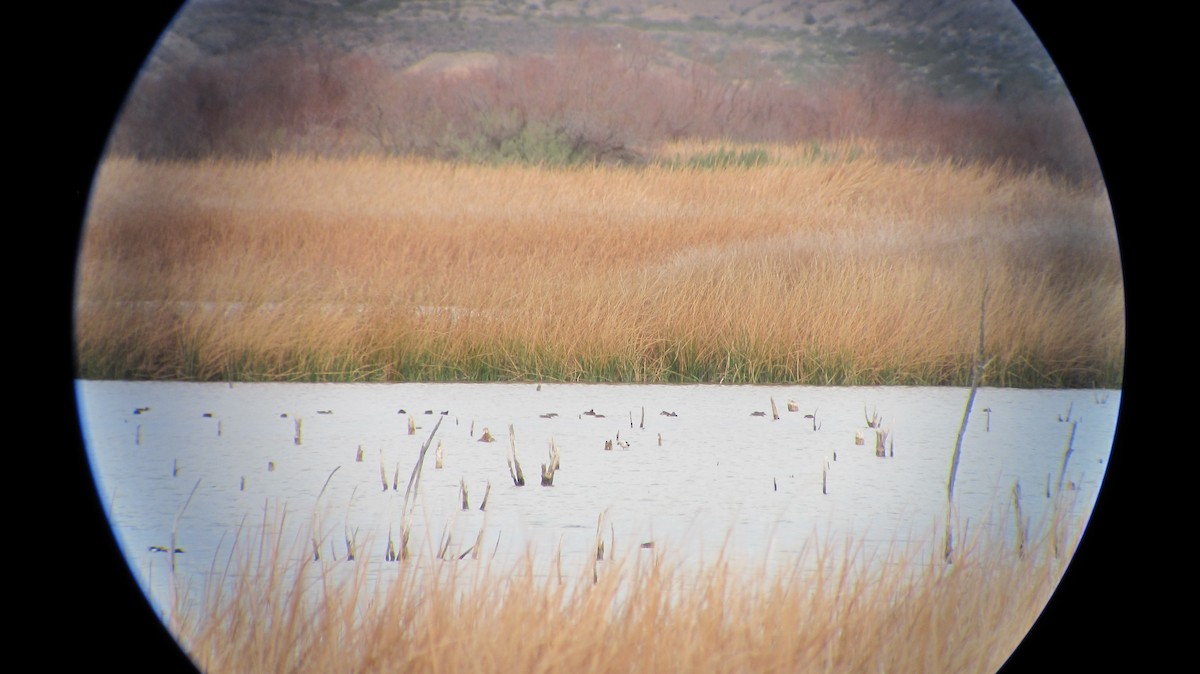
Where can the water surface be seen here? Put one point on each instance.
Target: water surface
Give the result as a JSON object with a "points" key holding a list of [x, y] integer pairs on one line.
{"points": [[712, 477]]}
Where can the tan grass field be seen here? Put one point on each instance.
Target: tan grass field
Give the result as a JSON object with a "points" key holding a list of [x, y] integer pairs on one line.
{"points": [[639, 613], [844, 269]]}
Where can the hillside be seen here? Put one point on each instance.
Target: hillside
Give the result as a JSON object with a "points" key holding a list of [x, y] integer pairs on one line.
{"points": [[953, 46]]}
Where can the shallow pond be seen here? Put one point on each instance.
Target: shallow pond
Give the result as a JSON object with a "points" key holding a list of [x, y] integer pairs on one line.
{"points": [[213, 461]]}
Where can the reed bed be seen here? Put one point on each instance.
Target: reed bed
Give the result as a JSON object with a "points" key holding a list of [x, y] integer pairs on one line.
{"points": [[850, 270], [640, 613]]}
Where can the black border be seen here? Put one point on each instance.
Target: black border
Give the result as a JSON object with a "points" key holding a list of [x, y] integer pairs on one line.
{"points": [[100, 619], [1102, 613]]}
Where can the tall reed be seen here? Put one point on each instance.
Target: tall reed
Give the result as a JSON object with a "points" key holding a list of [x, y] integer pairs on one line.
{"points": [[640, 613]]}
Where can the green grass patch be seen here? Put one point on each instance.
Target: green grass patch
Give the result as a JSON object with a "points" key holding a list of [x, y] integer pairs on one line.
{"points": [[722, 158]]}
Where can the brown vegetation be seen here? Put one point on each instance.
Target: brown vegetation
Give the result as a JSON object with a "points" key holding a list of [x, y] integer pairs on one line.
{"points": [[860, 270], [857, 271], [640, 612]]}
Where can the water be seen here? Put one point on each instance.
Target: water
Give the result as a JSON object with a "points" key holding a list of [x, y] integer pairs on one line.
{"points": [[721, 479]]}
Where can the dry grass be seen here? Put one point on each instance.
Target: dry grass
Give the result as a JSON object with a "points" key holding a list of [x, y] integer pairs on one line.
{"points": [[857, 270], [644, 614]]}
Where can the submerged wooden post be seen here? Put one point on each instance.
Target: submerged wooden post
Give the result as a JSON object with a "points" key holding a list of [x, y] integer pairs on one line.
{"points": [[881, 443], [462, 486], [793, 406], [412, 425], [299, 424], [774, 411], [359, 455], [547, 475], [438, 456]]}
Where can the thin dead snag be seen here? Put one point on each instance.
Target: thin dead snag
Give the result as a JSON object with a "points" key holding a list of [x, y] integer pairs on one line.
{"points": [[978, 365], [1062, 473], [316, 523], [1022, 520], [410, 493], [382, 470], [175, 549], [514, 466], [486, 493]]}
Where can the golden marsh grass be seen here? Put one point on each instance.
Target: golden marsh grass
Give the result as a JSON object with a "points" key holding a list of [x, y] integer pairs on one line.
{"points": [[641, 613], [854, 271]]}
